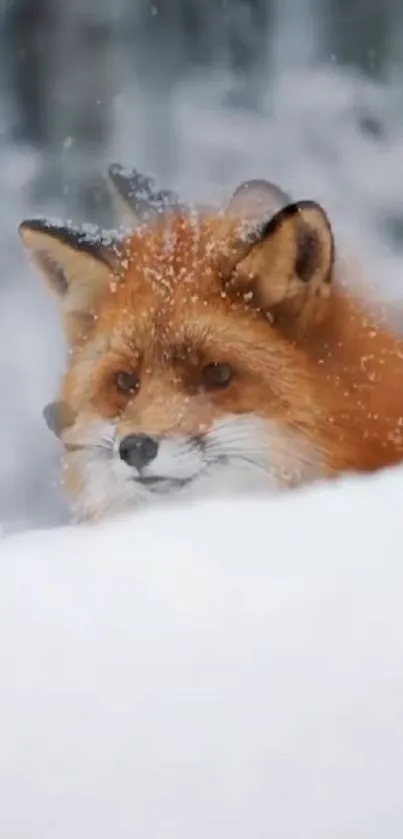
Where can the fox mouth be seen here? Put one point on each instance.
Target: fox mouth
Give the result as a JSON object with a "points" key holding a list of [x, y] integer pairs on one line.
{"points": [[235, 456], [160, 482]]}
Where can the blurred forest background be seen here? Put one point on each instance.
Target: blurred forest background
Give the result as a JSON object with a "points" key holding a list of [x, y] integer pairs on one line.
{"points": [[202, 93], [64, 64]]}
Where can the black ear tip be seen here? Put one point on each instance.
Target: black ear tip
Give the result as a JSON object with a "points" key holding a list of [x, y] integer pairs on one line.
{"points": [[308, 205], [120, 175], [305, 210], [32, 225], [114, 170]]}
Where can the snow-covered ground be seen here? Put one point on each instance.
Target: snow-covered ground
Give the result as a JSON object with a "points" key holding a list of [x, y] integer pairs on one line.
{"points": [[228, 669], [221, 670]]}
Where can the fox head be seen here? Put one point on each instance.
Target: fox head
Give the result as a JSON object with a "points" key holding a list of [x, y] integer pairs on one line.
{"points": [[186, 366]]}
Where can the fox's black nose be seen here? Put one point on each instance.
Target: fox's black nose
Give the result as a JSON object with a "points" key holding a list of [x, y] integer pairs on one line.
{"points": [[138, 450]]}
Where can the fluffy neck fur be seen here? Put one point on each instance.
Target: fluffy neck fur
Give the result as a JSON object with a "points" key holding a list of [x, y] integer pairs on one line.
{"points": [[358, 366]]}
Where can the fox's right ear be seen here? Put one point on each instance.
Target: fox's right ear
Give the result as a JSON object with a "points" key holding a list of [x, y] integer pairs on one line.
{"points": [[137, 196], [76, 265], [281, 256]]}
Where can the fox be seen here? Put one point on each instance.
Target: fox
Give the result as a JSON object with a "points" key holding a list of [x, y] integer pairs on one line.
{"points": [[213, 350]]}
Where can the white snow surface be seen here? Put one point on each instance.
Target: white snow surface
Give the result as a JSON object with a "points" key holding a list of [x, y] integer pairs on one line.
{"points": [[229, 669]]}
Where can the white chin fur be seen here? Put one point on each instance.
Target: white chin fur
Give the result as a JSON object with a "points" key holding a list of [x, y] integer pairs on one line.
{"points": [[239, 454]]}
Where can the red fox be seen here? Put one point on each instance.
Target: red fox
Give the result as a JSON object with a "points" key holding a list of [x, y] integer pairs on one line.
{"points": [[213, 350]]}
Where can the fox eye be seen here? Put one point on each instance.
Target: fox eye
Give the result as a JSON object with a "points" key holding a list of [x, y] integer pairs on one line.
{"points": [[216, 376], [126, 382]]}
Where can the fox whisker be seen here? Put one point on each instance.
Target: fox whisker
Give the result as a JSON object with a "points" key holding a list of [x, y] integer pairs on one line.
{"points": [[88, 447]]}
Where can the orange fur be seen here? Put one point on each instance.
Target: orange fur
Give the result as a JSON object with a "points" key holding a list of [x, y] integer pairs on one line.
{"points": [[326, 371], [342, 385]]}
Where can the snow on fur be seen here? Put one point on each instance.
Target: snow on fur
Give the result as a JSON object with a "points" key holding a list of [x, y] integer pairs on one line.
{"points": [[227, 669]]}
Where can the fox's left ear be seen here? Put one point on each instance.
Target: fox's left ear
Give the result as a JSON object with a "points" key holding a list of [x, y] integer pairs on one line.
{"points": [[76, 265], [283, 255]]}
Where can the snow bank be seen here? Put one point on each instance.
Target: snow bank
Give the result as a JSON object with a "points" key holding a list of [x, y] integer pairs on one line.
{"points": [[228, 669]]}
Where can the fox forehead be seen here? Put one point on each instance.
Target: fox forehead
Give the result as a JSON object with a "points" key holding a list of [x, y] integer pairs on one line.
{"points": [[172, 259], [167, 303], [134, 328], [168, 289]]}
